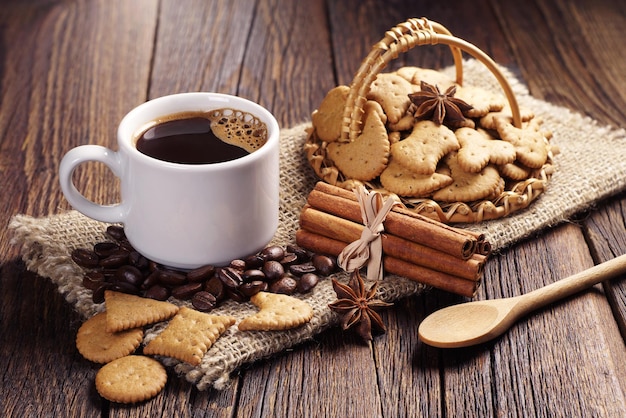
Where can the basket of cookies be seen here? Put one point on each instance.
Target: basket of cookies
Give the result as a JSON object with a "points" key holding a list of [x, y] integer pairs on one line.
{"points": [[446, 149]]}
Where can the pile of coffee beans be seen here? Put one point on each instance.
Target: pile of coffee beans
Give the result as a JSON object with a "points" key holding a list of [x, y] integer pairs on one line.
{"points": [[115, 265]]}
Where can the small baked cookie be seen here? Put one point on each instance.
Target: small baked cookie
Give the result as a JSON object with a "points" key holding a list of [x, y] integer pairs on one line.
{"points": [[126, 311], [97, 344], [424, 147], [481, 100], [430, 76], [478, 149], [514, 171], [399, 180], [189, 335], [530, 145], [468, 187], [327, 118], [489, 120], [365, 157], [131, 379], [392, 92], [277, 312]]}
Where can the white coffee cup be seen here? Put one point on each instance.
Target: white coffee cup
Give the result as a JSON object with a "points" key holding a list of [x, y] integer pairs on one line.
{"points": [[184, 215]]}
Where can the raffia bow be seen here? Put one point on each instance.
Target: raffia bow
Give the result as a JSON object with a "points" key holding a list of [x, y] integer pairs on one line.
{"points": [[369, 248]]}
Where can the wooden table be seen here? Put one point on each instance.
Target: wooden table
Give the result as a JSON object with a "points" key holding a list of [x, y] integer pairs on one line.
{"points": [[69, 71]]}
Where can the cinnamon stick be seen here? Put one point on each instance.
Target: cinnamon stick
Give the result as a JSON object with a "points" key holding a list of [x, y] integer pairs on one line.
{"points": [[424, 275], [399, 222], [346, 231]]}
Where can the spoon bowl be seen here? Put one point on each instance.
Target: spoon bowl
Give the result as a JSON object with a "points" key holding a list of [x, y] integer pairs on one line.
{"points": [[477, 322]]}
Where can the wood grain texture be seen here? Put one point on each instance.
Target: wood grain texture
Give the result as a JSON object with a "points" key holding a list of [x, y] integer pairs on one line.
{"points": [[69, 71]]}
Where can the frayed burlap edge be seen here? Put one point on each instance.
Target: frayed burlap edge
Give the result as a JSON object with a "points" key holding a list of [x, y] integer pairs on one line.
{"points": [[589, 168]]}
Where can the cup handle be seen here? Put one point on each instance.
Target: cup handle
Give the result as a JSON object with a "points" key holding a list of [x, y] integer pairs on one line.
{"points": [[77, 156]]}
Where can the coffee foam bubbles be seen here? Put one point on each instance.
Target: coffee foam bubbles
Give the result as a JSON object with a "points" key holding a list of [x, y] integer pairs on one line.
{"points": [[238, 128]]}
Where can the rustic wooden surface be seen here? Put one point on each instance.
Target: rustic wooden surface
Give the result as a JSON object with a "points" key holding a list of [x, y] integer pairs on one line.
{"points": [[69, 71]]}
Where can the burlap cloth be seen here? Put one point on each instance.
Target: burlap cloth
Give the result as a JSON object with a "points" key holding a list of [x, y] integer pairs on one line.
{"points": [[590, 167]]}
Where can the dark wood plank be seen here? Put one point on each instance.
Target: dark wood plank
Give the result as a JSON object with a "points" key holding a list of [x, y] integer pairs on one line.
{"points": [[567, 53], [535, 368], [65, 81], [70, 71], [606, 232]]}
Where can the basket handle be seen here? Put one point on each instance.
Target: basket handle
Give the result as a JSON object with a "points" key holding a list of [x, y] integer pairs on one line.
{"points": [[402, 38]]}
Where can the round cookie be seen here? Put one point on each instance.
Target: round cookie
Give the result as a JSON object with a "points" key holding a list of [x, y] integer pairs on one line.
{"points": [[96, 344], [131, 379]]}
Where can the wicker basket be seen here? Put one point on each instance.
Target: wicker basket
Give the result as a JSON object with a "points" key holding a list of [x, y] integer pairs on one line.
{"points": [[405, 36]]}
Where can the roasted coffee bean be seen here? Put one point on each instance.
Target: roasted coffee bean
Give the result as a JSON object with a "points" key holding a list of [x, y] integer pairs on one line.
{"points": [[300, 269], [201, 273], [288, 259], [116, 232], [117, 259], [98, 294], [129, 274], [157, 292], [109, 274], [215, 286], [153, 265], [286, 285], [230, 277], [252, 275], [273, 253], [125, 245], [290, 269], [203, 301], [85, 258], [253, 287], [186, 291], [323, 264], [307, 282], [125, 288], [254, 261], [238, 265], [93, 279], [171, 277], [273, 270], [151, 280], [302, 254], [236, 295], [105, 249], [138, 260]]}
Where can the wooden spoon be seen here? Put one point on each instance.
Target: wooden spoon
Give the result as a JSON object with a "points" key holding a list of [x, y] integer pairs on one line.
{"points": [[475, 322]]}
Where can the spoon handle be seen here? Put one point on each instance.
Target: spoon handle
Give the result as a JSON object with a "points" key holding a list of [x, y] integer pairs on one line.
{"points": [[575, 283]]}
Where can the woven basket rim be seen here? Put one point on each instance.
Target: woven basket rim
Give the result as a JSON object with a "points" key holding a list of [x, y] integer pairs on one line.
{"points": [[402, 38]]}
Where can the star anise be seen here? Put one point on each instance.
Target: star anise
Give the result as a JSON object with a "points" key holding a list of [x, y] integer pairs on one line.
{"points": [[432, 104], [356, 306]]}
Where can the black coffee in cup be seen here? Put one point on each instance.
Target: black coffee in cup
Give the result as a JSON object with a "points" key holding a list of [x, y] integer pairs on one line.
{"points": [[202, 137]]}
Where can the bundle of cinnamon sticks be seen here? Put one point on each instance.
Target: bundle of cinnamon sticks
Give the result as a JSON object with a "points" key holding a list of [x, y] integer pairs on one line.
{"points": [[414, 246]]}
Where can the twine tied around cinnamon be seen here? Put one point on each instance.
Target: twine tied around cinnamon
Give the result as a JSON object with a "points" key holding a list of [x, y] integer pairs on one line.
{"points": [[369, 247]]}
